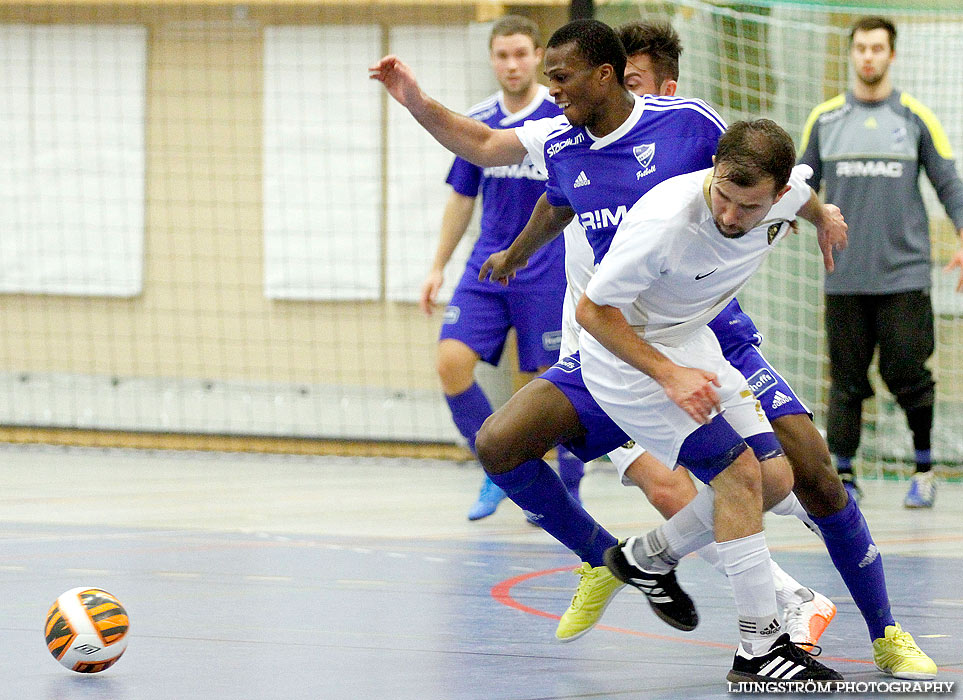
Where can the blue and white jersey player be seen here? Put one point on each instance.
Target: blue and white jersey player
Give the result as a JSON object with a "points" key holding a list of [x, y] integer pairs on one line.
{"points": [[600, 179], [586, 63]]}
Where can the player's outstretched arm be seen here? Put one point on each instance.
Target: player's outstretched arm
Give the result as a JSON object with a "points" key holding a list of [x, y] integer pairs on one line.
{"points": [[830, 227], [545, 223], [689, 388], [463, 136]]}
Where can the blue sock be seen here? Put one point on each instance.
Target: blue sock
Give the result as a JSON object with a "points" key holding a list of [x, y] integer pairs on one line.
{"points": [[859, 562], [538, 490], [571, 469], [469, 409], [844, 464]]}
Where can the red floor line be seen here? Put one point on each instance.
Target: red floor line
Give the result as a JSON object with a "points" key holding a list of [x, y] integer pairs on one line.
{"points": [[502, 593]]}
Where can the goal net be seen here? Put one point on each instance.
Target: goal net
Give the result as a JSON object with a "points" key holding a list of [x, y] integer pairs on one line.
{"points": [[779, 60]]}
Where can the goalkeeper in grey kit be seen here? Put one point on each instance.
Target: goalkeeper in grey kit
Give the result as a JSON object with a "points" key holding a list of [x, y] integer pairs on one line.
{"points": [[868, 146]]}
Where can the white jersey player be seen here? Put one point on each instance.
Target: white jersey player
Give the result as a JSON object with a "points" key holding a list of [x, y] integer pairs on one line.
{"points": [[651, 362], [670, 271]]}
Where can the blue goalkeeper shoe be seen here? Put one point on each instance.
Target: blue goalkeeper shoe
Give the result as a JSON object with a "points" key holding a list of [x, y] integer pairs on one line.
{"points": [[852, 488], [922, 491]]}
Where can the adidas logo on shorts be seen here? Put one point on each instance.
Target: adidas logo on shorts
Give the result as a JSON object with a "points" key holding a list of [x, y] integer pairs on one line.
{"points": [[780, 399]]}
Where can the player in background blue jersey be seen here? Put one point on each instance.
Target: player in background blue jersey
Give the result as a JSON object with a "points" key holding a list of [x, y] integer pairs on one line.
{"points": [[540, 415], [479, 316]]}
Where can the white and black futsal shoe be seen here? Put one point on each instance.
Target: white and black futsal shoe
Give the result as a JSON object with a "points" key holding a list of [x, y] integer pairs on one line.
{"points": [[785, 661], [668, 600]]}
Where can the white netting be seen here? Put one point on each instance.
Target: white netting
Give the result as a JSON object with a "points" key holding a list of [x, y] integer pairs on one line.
{"points": [[779, 60]]}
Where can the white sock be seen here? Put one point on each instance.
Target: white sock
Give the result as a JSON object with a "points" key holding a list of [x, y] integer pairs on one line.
{"points": [[748, 567], [710, 555], [790, 505], [691, 528], [688, 530], [786, 585]]}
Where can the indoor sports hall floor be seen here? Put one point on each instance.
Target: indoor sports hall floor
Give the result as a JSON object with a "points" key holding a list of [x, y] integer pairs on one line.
{"points": [[269, 578]]}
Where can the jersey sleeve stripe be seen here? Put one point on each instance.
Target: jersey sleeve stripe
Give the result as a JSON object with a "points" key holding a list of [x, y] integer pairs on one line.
{"points": [[482, 106], [695, 105], [818, 111], [932, 124]]}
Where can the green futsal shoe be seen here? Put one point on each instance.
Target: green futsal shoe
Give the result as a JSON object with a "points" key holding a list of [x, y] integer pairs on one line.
{"points": [[595, 591], [898, 655]]}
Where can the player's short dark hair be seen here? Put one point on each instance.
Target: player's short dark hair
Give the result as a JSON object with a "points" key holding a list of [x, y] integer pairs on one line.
{"points": [[515, 24], [868, 24], [597, 43], [657, 40], [755, 150]]}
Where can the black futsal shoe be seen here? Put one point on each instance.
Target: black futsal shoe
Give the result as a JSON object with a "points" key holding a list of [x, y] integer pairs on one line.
{"points": [[784, 662], [668, 600]]}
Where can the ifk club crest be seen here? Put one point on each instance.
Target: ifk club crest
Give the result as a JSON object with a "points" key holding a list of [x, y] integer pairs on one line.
{"points": [[644, 153]]}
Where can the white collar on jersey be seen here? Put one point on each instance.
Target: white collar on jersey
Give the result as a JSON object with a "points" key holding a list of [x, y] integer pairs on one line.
{"points": [[525, 111], [623, 129]]}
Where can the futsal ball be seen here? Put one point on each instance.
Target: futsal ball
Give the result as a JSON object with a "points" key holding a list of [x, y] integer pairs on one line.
{"points": [[87, 630]]}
